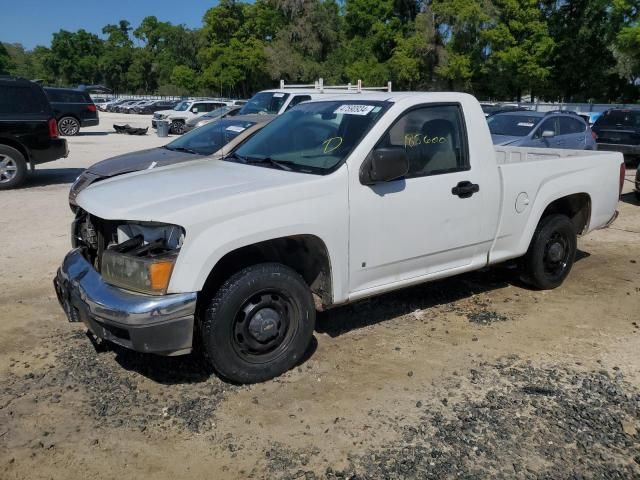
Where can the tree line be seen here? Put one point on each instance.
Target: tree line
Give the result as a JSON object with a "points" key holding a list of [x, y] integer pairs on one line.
{"points": [[567, 50]]}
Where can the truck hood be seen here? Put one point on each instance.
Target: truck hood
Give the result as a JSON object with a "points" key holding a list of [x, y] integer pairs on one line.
{"points": [[505, 139], [166, 112], [195, 190], [135, 161]]}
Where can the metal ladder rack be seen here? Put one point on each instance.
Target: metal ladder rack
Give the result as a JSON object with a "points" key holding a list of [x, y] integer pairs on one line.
{"points": [[321, 87]]}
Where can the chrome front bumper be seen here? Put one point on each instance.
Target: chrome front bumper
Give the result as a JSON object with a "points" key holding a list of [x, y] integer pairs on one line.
{"points": [[145, 323]]}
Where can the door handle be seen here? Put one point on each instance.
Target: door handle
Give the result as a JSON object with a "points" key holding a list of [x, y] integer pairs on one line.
{"points": [[465, 189]]}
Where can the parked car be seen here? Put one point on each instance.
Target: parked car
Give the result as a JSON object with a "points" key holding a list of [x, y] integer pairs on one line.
{"points": [[130, 108], [277, 101], [590, 117], [184, 111], [618, 130], [336, 200], [73, 109], [213, 140], [211, 116], [542, 130], [110, 106], [156, 106], [100, 102], [637, 183], [493, 109], [121, 108], [28, 130]]}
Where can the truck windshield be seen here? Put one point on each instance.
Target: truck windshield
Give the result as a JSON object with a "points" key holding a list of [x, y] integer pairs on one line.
{"points": [[181, 107], [211, 137], [512, 125], [312, 137], [265, 102]]}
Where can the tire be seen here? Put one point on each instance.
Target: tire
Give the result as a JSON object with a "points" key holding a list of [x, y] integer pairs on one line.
{"points": [[177, 127], [259, 324], [13, 168], [637, 192], [551, 253], [68, 126]]}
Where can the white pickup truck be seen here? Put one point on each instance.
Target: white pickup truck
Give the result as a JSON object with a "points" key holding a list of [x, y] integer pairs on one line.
{"points": [[335, 200]]}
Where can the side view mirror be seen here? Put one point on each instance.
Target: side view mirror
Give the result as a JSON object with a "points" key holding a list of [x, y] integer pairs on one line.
{"points": [[548, 134], [384, 165]]}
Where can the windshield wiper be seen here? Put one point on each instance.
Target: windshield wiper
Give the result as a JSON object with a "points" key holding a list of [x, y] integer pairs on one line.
{"points": [[236, 156], [182, 149], [281, 164]]}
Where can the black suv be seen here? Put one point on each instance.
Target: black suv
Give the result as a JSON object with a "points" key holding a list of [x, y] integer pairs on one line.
{"points": [[28, 130], [618, 130], [73, 109]]}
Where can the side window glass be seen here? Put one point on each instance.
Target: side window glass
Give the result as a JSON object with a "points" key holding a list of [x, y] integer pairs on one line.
{"points": [[433, 138], [298, 99], [550, 124], [22, 100], [571, 126]]}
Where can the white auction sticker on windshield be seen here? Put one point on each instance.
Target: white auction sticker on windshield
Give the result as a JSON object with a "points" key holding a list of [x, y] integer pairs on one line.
{"points": [[354, 109], [236, 129], [525, 124], [278, 95]]}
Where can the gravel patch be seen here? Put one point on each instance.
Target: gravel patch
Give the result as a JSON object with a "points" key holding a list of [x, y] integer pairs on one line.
{"points": [[486, 317], [120, 388], [513, 421]]}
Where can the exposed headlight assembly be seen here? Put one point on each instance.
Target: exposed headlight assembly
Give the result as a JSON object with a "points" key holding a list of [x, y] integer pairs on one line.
{"points": [[144, 257]]}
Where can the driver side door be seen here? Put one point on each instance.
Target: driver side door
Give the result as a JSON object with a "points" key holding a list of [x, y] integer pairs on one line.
{"points": [[417, 227]]}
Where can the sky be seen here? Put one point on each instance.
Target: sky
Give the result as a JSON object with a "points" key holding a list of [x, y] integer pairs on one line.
{"points": [[32, 22]]}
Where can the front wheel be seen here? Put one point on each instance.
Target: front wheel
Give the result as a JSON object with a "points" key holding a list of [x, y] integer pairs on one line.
{"points": [[177, 127], [259, 324], [551, 252]]}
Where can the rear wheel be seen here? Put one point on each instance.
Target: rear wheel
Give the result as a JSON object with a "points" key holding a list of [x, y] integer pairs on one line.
{"points": [[259, 323], [551, 253], [13, 168], [68, 126], [177, 127]]}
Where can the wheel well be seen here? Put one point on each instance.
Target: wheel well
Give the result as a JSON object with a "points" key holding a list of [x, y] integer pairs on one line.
{"points": [[306, 254], [17, 145], [69, 115], [577, 207]]}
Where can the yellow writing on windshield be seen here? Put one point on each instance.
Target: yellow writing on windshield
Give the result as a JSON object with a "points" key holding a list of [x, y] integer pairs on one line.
{"points": [[330, 144], [414, 139]]}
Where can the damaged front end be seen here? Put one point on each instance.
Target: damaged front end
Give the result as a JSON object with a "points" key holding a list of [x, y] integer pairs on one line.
{"points": [[137, 256], [115, 280]]}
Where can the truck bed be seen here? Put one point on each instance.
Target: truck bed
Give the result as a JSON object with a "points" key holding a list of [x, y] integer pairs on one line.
{"points": [[532, 178], [507, 155]]}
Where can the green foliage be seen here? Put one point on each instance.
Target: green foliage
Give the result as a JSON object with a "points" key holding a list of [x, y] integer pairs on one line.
{"points": [[5, 60], [572, 50]]}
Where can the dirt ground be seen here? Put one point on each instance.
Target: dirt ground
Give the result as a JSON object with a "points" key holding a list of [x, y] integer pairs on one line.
{"points": [[472, 377]]}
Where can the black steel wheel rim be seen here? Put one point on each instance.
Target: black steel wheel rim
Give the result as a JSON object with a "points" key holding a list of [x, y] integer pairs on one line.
{"points": [[264, 326], [556, 255]]}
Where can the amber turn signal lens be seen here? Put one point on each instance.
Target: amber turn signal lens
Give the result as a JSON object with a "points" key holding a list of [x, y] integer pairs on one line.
{"points": [[159, 275]]}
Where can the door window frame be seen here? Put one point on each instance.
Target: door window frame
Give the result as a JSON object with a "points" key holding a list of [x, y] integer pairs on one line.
{"points": [[464, 137]]}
